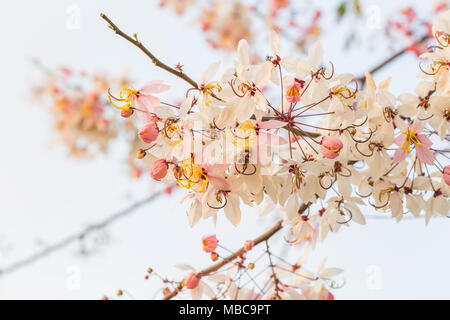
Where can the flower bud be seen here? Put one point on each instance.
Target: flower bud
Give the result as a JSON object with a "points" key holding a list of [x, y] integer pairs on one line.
{"points": [[193, 280], [251, 266], [141, 153], [126, 113], [331, 147], [149, 132], [214, 256], [159, 169], [446, 174], [248, 245], [209, 243]]}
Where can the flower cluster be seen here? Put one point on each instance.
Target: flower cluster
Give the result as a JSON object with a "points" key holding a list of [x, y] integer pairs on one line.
{"points": [[322, 142], [289, 134], [408, 26], [251, 278]]}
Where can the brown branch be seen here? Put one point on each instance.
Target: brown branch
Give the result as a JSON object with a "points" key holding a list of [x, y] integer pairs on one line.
{"points": [[155, 60], [78, 236], [265, 236], [382, 64]]}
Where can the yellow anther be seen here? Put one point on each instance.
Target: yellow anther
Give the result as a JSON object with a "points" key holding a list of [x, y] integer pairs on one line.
{"points": [[208, 90], [191, 176], [172, 134], [293, 92]]}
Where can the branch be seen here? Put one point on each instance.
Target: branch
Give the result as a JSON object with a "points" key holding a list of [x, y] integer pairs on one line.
{"points": [[381, 65], [155, 60], [77, 236], [265, 236]]}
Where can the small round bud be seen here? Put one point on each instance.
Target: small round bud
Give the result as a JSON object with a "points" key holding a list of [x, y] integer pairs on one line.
{"points": [[214, 256], [248, 245], [251, 266], [141, 153], [146, 277], [119, 293], [105, 298], [126, 113], [166, 291], [159, 169], [149, 270]]}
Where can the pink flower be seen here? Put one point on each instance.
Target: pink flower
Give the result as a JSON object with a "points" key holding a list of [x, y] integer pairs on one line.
{"points": [[293, 92], [446, 174], [142, 97], [209, 243], [331, 147], [126, 113], [412, 137], [159, 169], [193, 280], [149, 132], [248, 245]]}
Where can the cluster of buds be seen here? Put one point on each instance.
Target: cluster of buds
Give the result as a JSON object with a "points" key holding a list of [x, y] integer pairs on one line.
{"points": [[82, 114]]}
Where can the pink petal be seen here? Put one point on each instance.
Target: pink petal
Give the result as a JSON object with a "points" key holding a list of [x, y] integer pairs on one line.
{"points": [[400, 139], [147, 101], [417, 126], [258, 115], [424, 140], [219, 183]]}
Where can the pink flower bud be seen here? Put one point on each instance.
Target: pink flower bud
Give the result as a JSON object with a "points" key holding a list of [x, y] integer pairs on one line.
{"points": [[209, 243], [193, 280], [331, 147], [159, 169], [149, 132], [248, 245], [446, 175]]}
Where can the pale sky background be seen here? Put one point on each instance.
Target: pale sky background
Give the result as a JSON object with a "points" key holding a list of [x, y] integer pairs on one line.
{"points": [[44, 195]]}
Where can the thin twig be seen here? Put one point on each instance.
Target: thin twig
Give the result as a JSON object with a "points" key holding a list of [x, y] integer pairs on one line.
{"points": [[265, 236], [155, 60], [78, 235]]}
